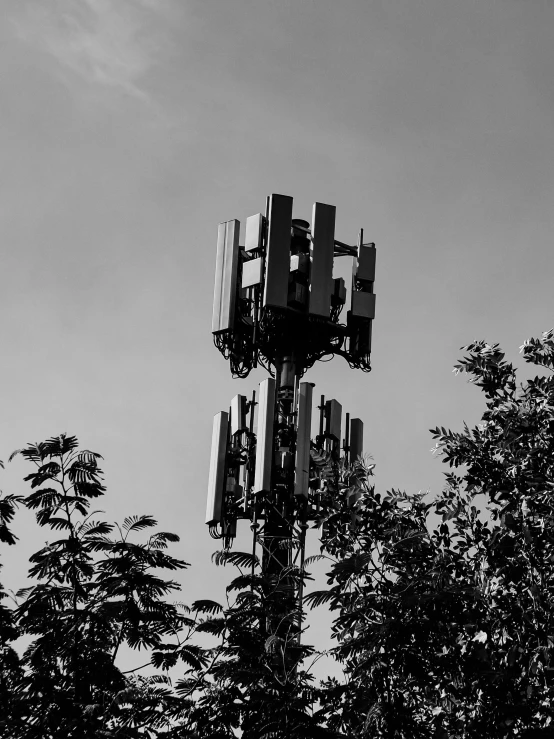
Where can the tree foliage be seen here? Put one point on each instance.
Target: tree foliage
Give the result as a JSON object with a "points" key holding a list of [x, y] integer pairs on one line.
{"points": [[255, 679], [443, 609], [448, 630], [10, 665], [96, 588]]}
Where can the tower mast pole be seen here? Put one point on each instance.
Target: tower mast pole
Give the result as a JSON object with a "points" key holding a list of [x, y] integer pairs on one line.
{"points": [[277, 304]]}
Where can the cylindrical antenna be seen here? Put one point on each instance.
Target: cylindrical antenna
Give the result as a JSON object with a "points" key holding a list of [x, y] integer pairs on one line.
{"points": [[346, 441], [252, 406], [248, 465], [321, 415]]}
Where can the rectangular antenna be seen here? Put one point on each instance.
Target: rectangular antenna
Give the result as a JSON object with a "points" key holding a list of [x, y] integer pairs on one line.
{"points": [[356, 439], [254, 232], [238, 414], [278, 251], [333, 414], [226, 267], [264, 440], [363, 304], [323, 237], [365, 268], [346, 440], [321, 408], [363, 298], [356, 451], [302, 471], [216, 479], [359, 342], [252, 272]]}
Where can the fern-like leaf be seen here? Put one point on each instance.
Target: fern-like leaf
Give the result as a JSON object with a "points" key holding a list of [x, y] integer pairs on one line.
{"points": [[318, 597], [315, 558], [207, 606], [136, 523], [239, 559]]}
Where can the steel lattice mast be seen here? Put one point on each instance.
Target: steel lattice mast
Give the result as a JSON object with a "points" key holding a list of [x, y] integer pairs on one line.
{"points": [[277, 305]]}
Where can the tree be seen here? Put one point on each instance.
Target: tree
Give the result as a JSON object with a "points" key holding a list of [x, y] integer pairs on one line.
{"points": [[256, 680], [94, 592], [444, 609], [10, 667], [450, 632]]}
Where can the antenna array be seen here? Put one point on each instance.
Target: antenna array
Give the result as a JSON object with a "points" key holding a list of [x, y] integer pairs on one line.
{"points": [[277, 304], [276, 294]]}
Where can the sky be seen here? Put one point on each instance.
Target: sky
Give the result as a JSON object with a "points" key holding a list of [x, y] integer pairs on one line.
{"points": [[130, 128]]}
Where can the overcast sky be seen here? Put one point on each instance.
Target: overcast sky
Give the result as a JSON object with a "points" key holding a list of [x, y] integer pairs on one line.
{"points": [[130, 128]]}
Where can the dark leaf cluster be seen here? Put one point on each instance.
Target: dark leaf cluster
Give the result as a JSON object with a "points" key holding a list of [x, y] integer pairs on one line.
{"points": [[443, 610]]}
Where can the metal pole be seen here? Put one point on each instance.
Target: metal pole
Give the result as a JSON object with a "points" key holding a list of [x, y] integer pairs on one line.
{"points": [[278, 530]]}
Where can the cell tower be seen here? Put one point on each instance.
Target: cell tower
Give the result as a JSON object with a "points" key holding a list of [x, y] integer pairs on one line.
{"points": [[277, 305]]}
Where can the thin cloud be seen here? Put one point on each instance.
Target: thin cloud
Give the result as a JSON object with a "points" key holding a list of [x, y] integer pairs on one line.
{"points": [[105, 42]]}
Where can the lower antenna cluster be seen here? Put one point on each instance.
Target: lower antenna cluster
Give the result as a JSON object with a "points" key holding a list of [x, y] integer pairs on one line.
{"points": [[278, 467]]}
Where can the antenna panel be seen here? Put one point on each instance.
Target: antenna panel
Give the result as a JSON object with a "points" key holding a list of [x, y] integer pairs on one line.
{"points": [[238, 414], [254, 232], [323, 238], [363, 304], [300, 263], [278, 251], [333, 414], [302, 468], [356, 439], [264, 441], [366, 263], [216, 479], [252, 272], [360, 338], [338, 296], [226, 267]]}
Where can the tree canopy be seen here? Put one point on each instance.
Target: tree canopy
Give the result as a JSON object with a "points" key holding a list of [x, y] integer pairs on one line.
{"points": [[443, 609]]}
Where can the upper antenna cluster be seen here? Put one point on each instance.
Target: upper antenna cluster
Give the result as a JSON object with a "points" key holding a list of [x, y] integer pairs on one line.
{"points": [[276, 294]]}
